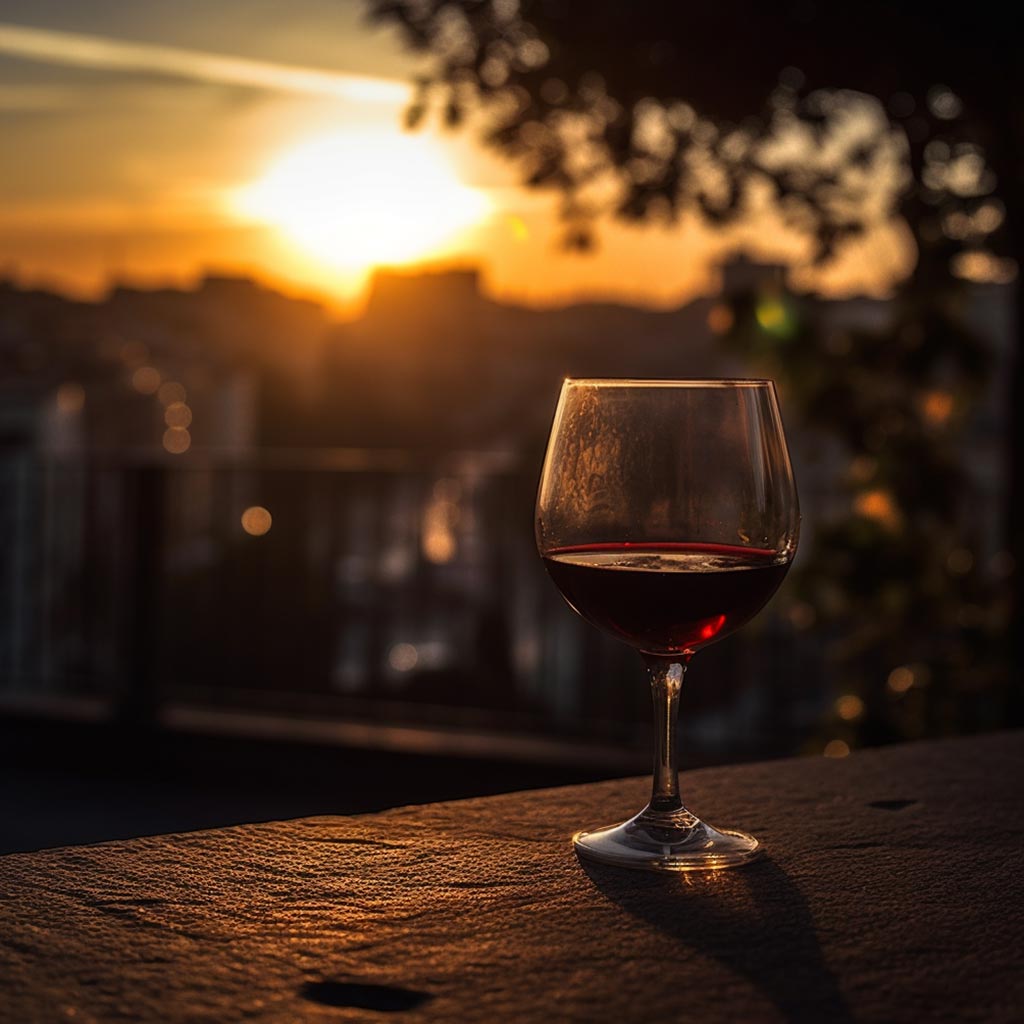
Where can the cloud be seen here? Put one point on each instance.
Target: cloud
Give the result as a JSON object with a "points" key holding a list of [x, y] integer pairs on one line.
{"points": [[81, 50], [35, 98]]}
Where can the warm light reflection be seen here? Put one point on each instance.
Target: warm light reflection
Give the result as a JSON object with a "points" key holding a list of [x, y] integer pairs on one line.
{"points": [[256, 521], [711, 627], [714, 878], [356, 199]]}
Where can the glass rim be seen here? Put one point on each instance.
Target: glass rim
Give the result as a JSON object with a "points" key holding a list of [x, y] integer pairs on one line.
{"points": [[670, 382]]}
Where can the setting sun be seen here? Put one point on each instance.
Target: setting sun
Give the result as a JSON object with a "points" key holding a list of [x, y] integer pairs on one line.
{"points": [[356, 199]]}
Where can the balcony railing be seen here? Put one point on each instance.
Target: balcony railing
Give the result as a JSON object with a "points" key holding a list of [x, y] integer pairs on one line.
{"points": [[369, 592]]}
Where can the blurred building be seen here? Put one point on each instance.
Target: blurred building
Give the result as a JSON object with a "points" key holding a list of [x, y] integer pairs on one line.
{"points": [[218, 497]]}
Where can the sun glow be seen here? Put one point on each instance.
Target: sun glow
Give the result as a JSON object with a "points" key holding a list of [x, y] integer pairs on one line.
{"points": [[357, 199]]}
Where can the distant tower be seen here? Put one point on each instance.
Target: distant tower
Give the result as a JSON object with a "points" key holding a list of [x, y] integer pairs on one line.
{"points": [[399, 292]]}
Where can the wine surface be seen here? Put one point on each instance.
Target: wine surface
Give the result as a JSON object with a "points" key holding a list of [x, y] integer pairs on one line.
{"points": [[666, 598]]}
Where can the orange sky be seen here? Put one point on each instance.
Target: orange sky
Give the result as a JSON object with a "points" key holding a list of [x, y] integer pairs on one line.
{"points": [[151, 145]]}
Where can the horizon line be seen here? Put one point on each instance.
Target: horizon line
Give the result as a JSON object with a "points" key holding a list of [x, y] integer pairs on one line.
{"points": [[349, 308]]}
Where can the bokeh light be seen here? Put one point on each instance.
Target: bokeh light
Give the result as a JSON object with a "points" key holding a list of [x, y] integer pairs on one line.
{"points": [[438, 540], [70, 398], [901, 679], [178, 414], [937, 407], [403, 657], [837, 748], [944, 103], [959, 562], [862, 468], [170, 392], [849, 707], [773, 316], [256, 521], [133, 353], [802, 615], [720, 318], [879, 506], [146, 380], [177, 440]]}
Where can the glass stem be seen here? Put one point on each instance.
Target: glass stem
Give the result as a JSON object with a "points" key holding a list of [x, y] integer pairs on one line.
{"points": [[666, 676]]}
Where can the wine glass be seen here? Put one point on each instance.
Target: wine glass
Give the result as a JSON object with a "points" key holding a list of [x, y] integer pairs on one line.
{"points": [[667, 516]]}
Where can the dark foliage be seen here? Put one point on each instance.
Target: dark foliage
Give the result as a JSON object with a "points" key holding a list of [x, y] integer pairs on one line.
{"points": [[651, 111], [836, 118]]}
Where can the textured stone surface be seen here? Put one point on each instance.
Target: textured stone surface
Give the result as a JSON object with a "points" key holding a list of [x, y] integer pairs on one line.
{"points": [[892, 892]]}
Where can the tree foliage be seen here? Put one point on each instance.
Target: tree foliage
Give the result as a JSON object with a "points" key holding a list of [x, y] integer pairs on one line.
{"points": [[652, 111], [836, 118]]}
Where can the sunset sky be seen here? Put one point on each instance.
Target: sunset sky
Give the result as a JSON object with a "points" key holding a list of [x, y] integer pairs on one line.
{"points": [[151, 141]]}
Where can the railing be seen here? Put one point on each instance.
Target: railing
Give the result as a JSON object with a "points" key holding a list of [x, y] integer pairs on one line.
{"points": [[392, 588]]}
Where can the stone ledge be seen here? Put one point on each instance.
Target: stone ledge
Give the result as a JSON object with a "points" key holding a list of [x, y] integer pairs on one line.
{"points": [[892, 891]]}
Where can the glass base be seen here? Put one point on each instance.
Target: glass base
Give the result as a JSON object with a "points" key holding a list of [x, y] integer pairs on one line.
{"points": [[674, 841]]}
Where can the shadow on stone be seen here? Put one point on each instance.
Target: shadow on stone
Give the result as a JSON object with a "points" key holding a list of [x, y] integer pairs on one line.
{"points": [[754, 920], [382, 998], [891, 805]]}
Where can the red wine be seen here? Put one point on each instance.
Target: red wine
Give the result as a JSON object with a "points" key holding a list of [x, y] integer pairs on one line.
{"points": [[666, 598]]}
